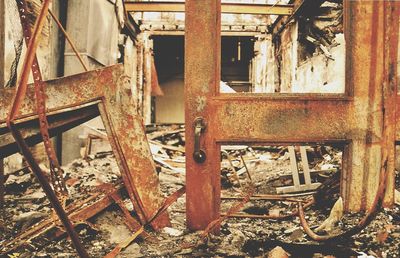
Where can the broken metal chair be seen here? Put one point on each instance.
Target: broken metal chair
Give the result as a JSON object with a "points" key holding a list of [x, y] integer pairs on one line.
{"points": [[297, 186], [64, 103]]}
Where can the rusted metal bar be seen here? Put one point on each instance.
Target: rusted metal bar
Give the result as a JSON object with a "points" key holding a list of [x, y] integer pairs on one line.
{"points": [[61, 27], [17, 102], [2, 187], [301, 116], [130, 221], [238, 8], [161, 210], [28, 61], [373, 42], [265, 198], [56, 172], [48, 190], [235, 214], [78, 211], [202, 78]]}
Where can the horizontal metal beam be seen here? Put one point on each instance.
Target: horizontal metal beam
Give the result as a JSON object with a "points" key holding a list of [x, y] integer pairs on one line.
{"points": [[223, 33], [281, 119], [58, 123], [261, 9]]}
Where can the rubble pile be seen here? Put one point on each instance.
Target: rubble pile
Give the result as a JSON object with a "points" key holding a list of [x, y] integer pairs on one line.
{"points": [[247, 233]]}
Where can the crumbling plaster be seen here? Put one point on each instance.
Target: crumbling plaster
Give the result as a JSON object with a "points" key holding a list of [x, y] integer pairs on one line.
{"points": [[317, 74]]}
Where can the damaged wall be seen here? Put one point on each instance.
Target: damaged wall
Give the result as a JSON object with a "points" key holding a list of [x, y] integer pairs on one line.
{"points": [[48, 53], [311, 53], [93, 27], [175, 22]]}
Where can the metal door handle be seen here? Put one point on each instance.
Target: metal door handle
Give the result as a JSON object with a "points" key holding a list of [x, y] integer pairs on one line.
{"points": [[199, 126]]}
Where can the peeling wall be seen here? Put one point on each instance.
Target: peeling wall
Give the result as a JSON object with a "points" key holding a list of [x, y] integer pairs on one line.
{"points": [[93, 26], [48, 49], [173, 21], [48, 54], [320, 74], [310, 54]]}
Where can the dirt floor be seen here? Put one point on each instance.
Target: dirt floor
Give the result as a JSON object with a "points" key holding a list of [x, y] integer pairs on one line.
{"points": [[26, 206]]}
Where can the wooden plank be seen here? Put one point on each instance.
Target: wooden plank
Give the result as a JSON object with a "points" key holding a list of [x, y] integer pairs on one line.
{"points": [[293, 167], [306, 169], [300, 188]]}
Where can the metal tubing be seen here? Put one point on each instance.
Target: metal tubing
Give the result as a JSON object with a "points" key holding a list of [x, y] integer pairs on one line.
{"points": [[2, 189], [78, 55]]}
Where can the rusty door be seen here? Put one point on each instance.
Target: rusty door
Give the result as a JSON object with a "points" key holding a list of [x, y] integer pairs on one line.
{"points": [[363, 118]]}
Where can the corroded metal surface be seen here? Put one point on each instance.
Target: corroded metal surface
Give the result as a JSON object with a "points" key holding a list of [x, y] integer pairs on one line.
{"points": [[56, 172], [363, 119], [30, 62], [124, 128], [58, 123], [202, 73]]}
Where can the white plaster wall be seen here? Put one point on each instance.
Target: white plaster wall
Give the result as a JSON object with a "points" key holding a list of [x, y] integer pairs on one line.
{"points": [[289, 58], [317, 74], [320, 74]]}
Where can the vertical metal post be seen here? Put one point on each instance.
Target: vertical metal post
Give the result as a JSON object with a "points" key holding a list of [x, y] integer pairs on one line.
{"points": [[2, 66], [202, 78], [2, 189], [389, 92], [371, 40], [2, 41]]}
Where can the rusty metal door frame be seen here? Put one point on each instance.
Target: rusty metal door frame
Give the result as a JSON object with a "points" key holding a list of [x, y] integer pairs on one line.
{"points": [[363, 118], [104, 92]]}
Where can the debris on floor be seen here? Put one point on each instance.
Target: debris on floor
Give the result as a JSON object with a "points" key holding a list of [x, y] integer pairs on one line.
{"points": [[263, 228]]}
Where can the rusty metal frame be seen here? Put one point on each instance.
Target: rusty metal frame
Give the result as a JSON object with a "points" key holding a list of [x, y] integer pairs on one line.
{"points": [[353, 118], [104, 92]]}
